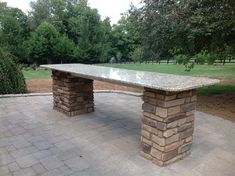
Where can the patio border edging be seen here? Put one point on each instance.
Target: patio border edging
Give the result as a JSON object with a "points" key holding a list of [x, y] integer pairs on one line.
{"points": [[49, 94]]}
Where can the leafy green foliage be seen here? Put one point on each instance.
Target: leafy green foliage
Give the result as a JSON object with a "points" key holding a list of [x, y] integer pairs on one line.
{"points": [[182, 59], [190, 25], [11, 78], [137, 54], [205, 57], [125, 38], [201, 57], [14, 31], [64, 49], [76, 33], [42, 43]]}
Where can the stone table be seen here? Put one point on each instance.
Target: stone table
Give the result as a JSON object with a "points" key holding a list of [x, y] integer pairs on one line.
{"points": [[168, 108]]}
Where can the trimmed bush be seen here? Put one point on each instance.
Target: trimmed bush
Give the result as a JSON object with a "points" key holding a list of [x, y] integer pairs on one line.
{"points": [[11, 78], [182, 59], [205, 57]]}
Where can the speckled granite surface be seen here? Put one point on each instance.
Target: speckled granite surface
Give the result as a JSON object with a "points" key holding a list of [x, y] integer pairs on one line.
{"points": [[160, 81]]}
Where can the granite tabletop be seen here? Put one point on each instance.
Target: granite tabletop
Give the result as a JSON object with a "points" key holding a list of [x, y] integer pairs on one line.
{"points": [[159, 81]]}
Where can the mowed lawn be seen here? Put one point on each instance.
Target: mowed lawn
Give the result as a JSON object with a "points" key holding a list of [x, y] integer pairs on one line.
{"points": [[213, 71], [225, 73], [36, 74]]}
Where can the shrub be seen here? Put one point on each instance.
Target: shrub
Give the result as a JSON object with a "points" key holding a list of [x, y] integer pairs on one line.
{"points": [[11, 78], [201, 57], [137, 54], [205, 57], [182, 59], [210, 58]]}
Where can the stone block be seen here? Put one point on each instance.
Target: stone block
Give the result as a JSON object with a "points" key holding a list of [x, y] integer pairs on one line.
{"points": [[173, 110], [170, 97], [172, 139], [158, 140], [194, 98], [158, 162], [172, 146], [185, 127], [187, 99], [170, 161], [162, 112], [146, 148], [156, 153], [185, 147], [182, 121], [160, 96], [189, 139], [150, 94], [148, 108], [149, 122], [187, 133], [172, 124], [174, 118], [146, 141], [149, 100], [190, 118], [188, 107], [146, 134], [161, 126], [184, 94], [169, 155], [170, 132], [145, 155], [175, 102], [147, 128], [158, 147]]}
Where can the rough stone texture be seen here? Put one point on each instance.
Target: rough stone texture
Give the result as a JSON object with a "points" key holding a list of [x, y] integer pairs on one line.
{"points": [[72, 95], [167, 128]]}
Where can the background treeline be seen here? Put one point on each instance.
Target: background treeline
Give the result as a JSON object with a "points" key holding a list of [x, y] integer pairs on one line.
{"points": [[63, 31], [204, 29]]}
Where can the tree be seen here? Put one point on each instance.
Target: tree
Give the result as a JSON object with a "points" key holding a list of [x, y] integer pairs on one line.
{"points": [[41, 11], [80, 23], [64, 49], [125, 39], [137, 54], [106, 41], [191, 26], [14, 31], [43, 42]]}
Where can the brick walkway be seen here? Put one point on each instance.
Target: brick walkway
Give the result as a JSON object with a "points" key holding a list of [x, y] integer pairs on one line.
{"points": [[36, 140]]}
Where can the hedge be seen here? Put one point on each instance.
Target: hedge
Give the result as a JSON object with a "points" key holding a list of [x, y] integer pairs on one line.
{"points": [[11, 78]]}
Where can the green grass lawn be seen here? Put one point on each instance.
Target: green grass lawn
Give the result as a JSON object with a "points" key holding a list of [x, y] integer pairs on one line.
{"points": [[36, 74], [219, 71], [226, 72]]}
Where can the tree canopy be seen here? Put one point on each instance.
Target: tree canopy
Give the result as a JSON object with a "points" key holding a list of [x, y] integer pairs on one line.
{"points": [[190, 26], [61, 31]]}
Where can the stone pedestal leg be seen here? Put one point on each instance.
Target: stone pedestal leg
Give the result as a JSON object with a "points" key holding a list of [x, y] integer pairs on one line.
{"points": [[72, 95], [167, 125]]}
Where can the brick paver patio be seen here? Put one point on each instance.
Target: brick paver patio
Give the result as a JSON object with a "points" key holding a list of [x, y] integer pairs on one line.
{"points": [[36, 140]]}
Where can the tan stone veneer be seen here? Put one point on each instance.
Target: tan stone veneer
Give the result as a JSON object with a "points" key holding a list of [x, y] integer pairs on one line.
{"points": [[167, 125], [72, 95]]}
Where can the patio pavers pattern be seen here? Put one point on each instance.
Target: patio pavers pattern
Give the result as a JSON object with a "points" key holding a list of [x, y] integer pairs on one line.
{"points": [[37, 140]]}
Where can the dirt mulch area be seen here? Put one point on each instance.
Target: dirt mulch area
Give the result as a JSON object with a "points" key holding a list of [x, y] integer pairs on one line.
{"points": [[220, 105]]}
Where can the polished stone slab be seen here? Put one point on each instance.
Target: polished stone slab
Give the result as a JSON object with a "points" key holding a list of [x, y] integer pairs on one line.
{"points": [[159, 81]]}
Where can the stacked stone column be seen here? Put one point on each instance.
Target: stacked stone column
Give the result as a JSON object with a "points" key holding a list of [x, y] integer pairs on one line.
{"points": [[72, 95], [167, 125]]}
